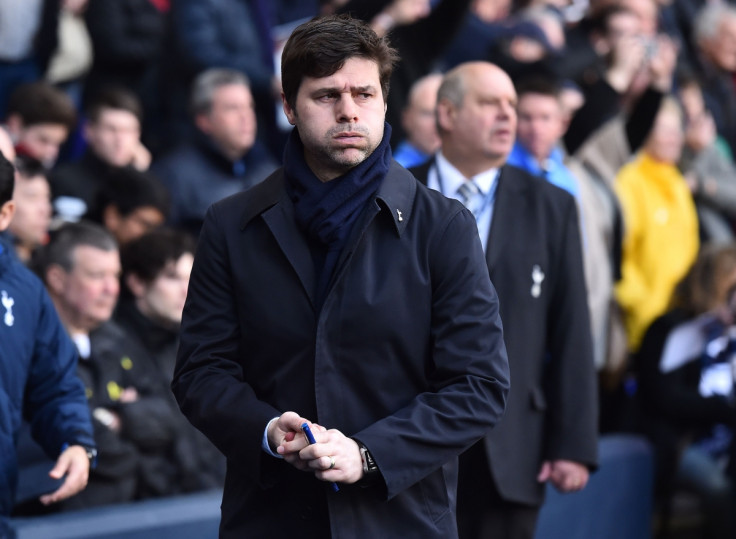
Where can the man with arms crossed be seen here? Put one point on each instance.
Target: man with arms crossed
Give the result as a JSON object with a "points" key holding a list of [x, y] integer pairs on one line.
{"points": [[341, 293]]}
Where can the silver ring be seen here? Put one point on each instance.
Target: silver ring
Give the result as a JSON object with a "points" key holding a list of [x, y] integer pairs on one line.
{"points": [[332, 463]]}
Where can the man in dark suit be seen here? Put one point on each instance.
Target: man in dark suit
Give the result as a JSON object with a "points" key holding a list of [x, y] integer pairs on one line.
{"points": [[530, 233], [340, 292]]}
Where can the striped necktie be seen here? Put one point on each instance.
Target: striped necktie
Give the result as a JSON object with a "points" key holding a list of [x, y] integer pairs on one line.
{"points": [[470, 196]]}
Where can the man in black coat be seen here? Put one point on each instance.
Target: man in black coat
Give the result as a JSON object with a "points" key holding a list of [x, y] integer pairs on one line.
{"points": [[340, 293], [529, 229]]}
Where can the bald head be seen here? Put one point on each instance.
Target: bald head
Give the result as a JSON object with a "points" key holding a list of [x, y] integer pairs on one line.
{"points": [[476, 116]]}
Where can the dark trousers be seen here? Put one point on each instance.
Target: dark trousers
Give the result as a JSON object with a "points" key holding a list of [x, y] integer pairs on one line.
{"points": [[481, 512]]}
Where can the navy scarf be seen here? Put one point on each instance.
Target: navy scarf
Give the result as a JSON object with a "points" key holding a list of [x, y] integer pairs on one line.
{"points": [[327, 211]]}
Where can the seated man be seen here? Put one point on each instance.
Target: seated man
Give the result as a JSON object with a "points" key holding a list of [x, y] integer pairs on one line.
{"points": [[225, 157], [112, 131], [156, 269], [39, 120], [130, 204], [29, 228]]}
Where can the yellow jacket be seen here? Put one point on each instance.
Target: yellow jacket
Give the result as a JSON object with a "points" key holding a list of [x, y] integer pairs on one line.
{"points": [[660, 240]]}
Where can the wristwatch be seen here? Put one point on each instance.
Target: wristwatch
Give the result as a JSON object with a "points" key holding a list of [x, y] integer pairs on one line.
{"points": [[370, 468]]}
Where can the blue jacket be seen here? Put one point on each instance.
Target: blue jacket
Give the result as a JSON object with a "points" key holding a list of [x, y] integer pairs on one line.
{"points": [[38, 381], [406, 355]]}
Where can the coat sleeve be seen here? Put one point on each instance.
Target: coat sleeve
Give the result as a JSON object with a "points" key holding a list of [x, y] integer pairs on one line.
{"points": [[208, 381], [55, 403], [469, 373], [572, 402]]}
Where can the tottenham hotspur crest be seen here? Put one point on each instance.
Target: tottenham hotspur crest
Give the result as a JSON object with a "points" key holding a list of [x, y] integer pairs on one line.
{"points": [[8, 303]]}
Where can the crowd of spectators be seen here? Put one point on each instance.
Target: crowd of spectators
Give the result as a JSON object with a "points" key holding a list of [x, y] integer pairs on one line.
{"points": [[128, 118]]}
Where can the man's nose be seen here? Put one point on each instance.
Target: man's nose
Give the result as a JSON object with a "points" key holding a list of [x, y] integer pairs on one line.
{"points": [[346, 109]]}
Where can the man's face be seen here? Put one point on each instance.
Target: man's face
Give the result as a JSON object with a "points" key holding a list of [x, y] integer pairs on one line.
{"points": [[484, 127], [722, 48], [114, 137], [340, 117], [419, 118], [32, 217], [42, 141], [90, 290], [163, 299], [126, 228], [541, 124], [231, 122]]}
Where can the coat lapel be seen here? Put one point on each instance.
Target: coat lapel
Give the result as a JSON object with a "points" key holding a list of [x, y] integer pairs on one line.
{"points": [[510, 201], [270, 200]]}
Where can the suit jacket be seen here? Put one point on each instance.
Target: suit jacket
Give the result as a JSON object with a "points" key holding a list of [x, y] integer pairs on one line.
{"points": [[552, 406], [405, 355]]}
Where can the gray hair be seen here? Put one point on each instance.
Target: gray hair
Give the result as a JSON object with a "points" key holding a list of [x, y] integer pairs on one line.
{"points": [[61, 248], [204, 86], [708, 21], [453, 90]]}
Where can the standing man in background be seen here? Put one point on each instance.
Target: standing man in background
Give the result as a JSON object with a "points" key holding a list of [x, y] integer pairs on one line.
{"points": [[340, 293], [529, 229]]}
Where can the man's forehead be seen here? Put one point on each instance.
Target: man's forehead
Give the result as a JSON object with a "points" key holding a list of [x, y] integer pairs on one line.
{"points": [[355, 73]]}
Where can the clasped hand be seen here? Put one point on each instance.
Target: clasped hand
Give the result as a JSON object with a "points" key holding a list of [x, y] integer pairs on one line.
{"points": [[286, 436]]}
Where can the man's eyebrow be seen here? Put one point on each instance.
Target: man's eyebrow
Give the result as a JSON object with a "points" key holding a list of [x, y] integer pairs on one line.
{"points": [[337, 90]]}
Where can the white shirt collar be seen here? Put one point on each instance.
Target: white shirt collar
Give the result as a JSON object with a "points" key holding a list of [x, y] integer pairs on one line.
{"points": [[451, 179]]}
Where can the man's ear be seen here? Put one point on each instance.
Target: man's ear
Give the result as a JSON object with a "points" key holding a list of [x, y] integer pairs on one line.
{"points": [[203, 123], [7, 211], [290, 112], [136, 286], [111, 218], [55, 279], [446, 113], [14, 123]]}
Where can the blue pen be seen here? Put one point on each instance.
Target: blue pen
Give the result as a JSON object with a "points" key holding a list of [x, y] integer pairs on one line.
{"points": [[311, 440]]}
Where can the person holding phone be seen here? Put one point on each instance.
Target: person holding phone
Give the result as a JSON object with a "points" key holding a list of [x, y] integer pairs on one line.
{"points": [[340, 293]]}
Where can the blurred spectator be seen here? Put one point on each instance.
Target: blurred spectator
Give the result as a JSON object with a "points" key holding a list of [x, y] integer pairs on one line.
{"points": [[130, 204], [529, 43], [81, 267], [539, 131], [660, 223], [479, 32], [156, 269], [224, 158], [226, 34], [28, 37], [420, 123], [73, 57], [128, 39], [708, 167], [39, 119], [38, 383], [112, 131], [32, 196], [714, 34], [686, 390], [6, 145]]}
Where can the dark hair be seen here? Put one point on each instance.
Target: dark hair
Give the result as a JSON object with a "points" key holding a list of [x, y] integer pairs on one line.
{"points": [[704, 286], [41, 103], [29, 167], [129, 189], [538, 84], [64, 241], [114, 98], [320, 47], [7, 179], [147, 256]]}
